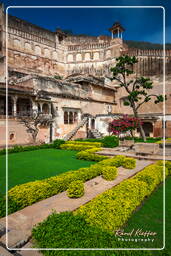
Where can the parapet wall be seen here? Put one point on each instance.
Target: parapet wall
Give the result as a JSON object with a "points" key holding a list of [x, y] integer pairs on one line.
{"points": [[35, 50]]}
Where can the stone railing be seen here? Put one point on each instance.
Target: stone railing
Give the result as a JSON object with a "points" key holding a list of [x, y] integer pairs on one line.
{"points": [[88, 46]]}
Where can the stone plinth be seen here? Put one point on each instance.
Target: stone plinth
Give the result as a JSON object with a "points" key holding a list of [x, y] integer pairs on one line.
{"points": [[126, 143], [146, 148]]}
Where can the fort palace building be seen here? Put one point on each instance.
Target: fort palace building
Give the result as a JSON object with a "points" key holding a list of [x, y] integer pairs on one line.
{"points": [[66, 79]]}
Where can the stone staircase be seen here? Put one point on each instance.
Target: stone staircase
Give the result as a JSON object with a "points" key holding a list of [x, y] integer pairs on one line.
{"points": [[73, 132], [95, 134]]}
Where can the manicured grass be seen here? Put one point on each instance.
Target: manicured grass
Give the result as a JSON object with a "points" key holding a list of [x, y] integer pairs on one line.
{"points": [[150, 217], [39, 164]]}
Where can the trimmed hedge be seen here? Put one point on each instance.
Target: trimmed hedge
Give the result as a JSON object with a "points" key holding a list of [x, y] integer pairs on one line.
{"points": [[79, 146], [67, 231], [90, 155], [117, 204], [76, 189], [18, 149], [109, 172], [95, 144], [107, 141], [129, 163], [26, 194], [110, 141], [116, 161]]}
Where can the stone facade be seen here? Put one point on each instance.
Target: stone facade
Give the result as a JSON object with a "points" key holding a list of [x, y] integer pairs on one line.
{"points": [[67, 79]]}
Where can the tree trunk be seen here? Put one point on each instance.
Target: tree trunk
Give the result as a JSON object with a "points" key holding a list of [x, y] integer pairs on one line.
{"points": [[140, 126]]}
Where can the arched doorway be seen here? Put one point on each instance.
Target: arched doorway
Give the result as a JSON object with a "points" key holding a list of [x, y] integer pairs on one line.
{"points": [[92, 124], [3, 105], [148, 128], [45, 108], [24, 106]]}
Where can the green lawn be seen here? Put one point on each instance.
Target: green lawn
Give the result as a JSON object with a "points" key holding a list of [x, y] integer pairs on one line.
{"points": [[38, 164], [150, 217]]}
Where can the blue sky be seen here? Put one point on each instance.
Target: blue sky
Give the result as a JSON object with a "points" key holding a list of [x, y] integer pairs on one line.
{"points": [[141, 24]]}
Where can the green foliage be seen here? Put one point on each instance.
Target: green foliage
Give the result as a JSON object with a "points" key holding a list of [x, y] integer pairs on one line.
{"points": [[76, 189], [129, 163], [106, 142], [57, 143], [110, 141], [116, 161], [109, 172], [58, 77], [148, 139], [18, 149], [28, 193], [67, 231], [117, 204], [79, 146], [90, 155]]}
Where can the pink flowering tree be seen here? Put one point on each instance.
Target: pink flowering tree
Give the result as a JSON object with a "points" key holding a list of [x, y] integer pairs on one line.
{"points": [[124, 124]]}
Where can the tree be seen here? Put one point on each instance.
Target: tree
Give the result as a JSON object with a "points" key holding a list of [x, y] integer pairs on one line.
{"points": [[137, 89], [32, 120], [124, 124]]}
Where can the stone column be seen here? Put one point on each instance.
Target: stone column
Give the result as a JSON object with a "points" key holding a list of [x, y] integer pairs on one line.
{"points": [[41, 105], [15, 105]]}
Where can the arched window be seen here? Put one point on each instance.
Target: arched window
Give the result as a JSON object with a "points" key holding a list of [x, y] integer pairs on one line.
{"points": [[70, 58], [78, 57], [65, 117], [71, 118], [37, 50]]}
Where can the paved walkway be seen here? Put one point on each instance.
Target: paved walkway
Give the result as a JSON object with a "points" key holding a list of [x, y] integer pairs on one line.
{"points": [[115, 151], [21, 223]]}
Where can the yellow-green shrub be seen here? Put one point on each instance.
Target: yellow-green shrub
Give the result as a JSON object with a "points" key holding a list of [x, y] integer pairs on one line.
{"points": [[167, 165], [109, 172], [94, 144], [75, 147], [90, 155], [129, 163], [76, 189], [26, 194], [111, 209], [117, 161]]}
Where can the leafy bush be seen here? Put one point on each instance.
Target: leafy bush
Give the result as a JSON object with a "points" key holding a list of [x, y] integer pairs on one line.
{"points": [[106, 142], [63, 230], [94, 144], [90, 155], [116, 161], [76, 189], [109, 172], [117, 204], [114, 205], [167, 165], [57, 143], [77, 147], [110, 141], [26, 194], [18, 149], [129, 163]]}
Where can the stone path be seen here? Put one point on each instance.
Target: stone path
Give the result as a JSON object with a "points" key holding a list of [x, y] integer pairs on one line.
{"points": [[21, 223], [115, 151]]}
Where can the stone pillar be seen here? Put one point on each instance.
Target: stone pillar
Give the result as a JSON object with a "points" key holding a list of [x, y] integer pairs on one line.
{"points": [[41, 105], [50, 108], [79, 116], [15, 105]]}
